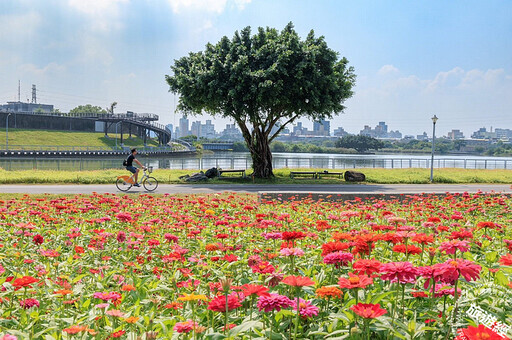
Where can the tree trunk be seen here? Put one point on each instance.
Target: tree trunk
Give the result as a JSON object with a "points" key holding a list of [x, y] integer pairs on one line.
{"points": [[261, 157]]}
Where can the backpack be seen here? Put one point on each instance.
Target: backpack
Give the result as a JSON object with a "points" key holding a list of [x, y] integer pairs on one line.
{"points": [[125, 162]]}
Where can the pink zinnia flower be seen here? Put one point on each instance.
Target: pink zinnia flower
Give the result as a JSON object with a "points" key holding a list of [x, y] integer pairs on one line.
{"points": [[171, 238], [121, 237], [291, 252], [338, 258], [403, 272], [273, 302], [8, 337], [450, 247], [102, 305], [106, 296], [306, 308], [185, 327], [272, 236], [29, 303], [124, 217], [115, 312]]}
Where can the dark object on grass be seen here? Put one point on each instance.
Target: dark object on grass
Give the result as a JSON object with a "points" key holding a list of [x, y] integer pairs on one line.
{"points": [[354, 176], [197, 177], [212, 173]]}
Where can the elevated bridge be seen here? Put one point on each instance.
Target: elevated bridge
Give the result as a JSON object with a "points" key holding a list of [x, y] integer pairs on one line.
{"points": [[218, 146], [139, 124]]}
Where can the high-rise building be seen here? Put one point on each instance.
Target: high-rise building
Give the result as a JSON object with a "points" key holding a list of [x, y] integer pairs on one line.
{"points": [[322, 128], [195, 129], [184, 131], [208, 130], [340, 132], [455, 134]]}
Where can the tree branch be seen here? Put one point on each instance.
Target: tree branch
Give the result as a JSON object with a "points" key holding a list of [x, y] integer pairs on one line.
{"points": [[282, 127]]}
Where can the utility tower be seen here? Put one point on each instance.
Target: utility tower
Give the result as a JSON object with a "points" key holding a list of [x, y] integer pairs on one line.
{"points": [[34, 97]]}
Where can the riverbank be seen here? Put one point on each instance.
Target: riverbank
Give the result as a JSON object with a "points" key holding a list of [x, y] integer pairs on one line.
{"points": [[282, 176]]}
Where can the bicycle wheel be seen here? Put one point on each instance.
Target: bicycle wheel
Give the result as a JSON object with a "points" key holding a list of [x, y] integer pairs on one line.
{"points": [[122, 185], [150, 183]]}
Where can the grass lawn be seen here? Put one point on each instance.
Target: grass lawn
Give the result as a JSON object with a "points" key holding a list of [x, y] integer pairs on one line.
{"points": [[39, 138], [282, 176]]}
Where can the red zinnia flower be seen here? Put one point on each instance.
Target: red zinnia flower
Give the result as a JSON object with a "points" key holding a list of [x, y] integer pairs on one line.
{"points": [[38, 239], [331, 247], [258, 290], [218, 304], [292, 235], [407, 249], [449, 271], [298, 281], [368, 310], [367, 267], [506, 260], [485, 225], [480, 333], [355, 281], [24, 281]]}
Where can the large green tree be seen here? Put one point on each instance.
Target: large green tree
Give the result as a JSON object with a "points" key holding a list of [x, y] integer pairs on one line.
{"points": [[360, 143], [85, 109], [271, 77]]}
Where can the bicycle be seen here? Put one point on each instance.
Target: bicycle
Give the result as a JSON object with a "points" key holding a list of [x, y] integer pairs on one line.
{"points": [[124, 183]]}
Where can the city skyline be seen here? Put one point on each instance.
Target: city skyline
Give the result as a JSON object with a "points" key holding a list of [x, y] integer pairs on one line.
{"points": [[413, 60]]}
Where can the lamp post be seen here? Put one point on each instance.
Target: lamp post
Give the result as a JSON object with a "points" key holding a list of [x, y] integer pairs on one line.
{"points": [[116, 132], [434, 120], [7, 132]]}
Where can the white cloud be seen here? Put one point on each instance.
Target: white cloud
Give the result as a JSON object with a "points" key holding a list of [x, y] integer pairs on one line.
{"points": [[19, 28], [446, 79], [213, 6], [49, 69], [387, 69], [103, 14]]}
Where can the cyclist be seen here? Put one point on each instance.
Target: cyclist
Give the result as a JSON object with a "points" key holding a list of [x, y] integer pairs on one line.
{"points": [[131, 168]]}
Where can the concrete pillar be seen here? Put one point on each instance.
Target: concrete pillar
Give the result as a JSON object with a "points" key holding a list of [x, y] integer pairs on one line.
{"points": [[121, 125]]}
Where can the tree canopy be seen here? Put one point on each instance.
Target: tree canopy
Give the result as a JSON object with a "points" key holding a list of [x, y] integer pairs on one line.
{"points": [[82, 109], [359, 143], [261, 80]]}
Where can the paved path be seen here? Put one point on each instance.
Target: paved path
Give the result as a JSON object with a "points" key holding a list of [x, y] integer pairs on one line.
{"points": [[254, 188]]}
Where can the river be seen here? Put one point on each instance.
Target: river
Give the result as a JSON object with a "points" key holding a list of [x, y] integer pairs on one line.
{"points": [[242, 160]]}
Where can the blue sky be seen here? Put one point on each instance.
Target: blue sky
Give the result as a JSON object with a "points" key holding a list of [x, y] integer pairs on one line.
{"points": [[413, 58]]}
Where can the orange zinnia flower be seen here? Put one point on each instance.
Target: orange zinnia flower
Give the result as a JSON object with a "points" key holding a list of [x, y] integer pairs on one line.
{"points": [[127, 288], [132, 319], [327, 292]]}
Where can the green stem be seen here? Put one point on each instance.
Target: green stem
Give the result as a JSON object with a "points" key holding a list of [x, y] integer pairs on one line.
{"points": [[297, 319], [456, 302], [226, 315]]}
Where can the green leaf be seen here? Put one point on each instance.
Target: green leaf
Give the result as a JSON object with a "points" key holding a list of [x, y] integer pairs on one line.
{"points": [[245, 326]]}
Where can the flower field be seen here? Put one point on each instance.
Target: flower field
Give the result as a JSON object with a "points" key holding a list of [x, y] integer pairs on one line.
{"points": [[230, 267]]}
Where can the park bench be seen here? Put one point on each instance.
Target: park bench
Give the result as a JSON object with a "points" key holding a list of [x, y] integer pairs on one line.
{"points": [[240, 171], [327, 173], [303, 173]]}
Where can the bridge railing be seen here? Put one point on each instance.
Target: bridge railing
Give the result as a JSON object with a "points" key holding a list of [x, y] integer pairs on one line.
{"points": [[72, 148], [132, 116]]}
